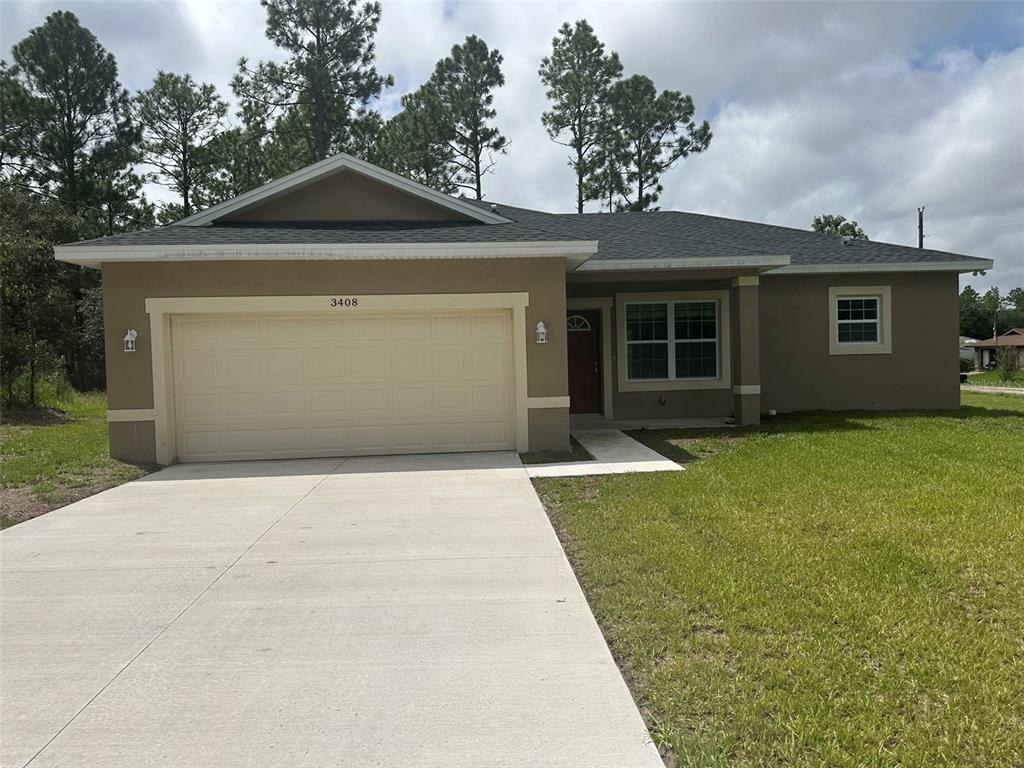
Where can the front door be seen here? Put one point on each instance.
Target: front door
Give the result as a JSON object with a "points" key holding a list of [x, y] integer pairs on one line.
{"points": [[583, 329]]}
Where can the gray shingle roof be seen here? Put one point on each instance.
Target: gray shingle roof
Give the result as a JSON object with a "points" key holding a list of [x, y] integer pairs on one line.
{"points": [[620, 236]]}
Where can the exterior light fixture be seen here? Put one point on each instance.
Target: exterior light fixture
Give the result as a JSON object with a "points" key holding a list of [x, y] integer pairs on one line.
{"points": [[129, 340], [542, 333]]}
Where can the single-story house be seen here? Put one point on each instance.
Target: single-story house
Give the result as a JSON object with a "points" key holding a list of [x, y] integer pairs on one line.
{"points": [[345, 310], [985, 351]]}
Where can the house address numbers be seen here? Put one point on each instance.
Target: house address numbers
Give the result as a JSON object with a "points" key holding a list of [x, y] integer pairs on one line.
{"points": [[345, 302]]}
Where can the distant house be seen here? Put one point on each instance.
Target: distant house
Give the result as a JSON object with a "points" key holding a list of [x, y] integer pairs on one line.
{"points": [[967, 348], [985, 351]]}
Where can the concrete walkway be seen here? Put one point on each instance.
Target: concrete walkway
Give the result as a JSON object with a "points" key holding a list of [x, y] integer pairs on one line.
{"points": [[614, 453], [995, 390], [413, 611]]}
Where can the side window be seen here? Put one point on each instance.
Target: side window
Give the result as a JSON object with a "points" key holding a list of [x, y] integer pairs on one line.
{"points": [[860, 320]]}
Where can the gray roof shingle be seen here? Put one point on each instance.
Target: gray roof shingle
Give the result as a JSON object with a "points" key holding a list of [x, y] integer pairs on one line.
{"points": [[655, 235]]}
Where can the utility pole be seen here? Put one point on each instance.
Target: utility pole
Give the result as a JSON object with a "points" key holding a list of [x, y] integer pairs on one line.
{"points": [[920, 226]]}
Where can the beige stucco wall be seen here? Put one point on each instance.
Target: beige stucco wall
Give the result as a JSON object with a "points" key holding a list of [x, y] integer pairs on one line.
{"points": [[133, 441], [798, 373], [127, 286], [792, 363], [347, 196], [549, 427]]}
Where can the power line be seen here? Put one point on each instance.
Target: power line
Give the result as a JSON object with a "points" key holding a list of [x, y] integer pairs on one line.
{"points": [[980, 229], [898, 218]]}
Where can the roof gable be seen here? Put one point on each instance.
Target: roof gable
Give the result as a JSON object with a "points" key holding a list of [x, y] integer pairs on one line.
{"points": [[343, 188]]}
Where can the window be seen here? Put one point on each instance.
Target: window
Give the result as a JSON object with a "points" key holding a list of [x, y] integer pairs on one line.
{"points": [[857, 320], [577, 323], [860, 320], [672, 340]]}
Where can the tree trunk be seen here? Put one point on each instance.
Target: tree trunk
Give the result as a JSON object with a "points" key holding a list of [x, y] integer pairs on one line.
{"points": [[476, 173], [32, 382], [579, 180]]}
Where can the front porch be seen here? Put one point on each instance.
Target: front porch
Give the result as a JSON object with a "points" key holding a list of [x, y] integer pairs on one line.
{"points": [[663, 349]]}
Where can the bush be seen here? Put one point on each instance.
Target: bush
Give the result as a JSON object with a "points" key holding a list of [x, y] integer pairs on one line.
{"points": [[1007, 362], [51, 388], [966, 365]]}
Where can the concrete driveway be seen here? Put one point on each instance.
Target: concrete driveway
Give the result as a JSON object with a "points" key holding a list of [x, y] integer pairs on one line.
{"points": [[410, 611]]}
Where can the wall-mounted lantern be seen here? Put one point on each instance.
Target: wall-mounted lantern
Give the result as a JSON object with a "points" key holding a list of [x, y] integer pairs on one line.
{"points": [[542, 333], [129, 340]]}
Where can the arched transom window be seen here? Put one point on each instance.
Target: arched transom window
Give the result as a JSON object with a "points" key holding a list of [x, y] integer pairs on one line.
{"points": [[577, 323]]}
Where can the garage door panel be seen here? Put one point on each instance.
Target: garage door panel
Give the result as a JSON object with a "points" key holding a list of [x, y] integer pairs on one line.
{"points": [[363, 329], [369, 402], [327, 366], [285, 386], [491, 397], [443, 326], [238, 332], [410, 363], [453, 435], [330, 403], [198, 368], [329, 440], [199, 406], [449, 361], [409, 328], [491, 433], [241, 367], [280, 330], [369, 363], [451, 398], [372, 437], [280, 364], [195, 333], [284, 403], [414, 437], [489, 327], [411, 400], [243, 404], [323, 329]]}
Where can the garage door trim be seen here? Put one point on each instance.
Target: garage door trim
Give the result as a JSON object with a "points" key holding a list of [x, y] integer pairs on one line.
{"points": [[160, 311]]}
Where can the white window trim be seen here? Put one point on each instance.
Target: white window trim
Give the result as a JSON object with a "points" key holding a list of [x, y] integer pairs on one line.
{"points": [[884, 295], [724, 378]]}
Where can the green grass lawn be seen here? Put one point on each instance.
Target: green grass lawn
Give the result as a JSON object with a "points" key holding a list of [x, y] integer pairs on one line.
{"points": [[836, 589], [51, 456], [991, 379]]}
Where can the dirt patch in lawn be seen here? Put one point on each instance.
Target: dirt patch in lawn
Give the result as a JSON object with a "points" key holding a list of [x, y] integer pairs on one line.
{"points": [[20, 504], [33, 417]]}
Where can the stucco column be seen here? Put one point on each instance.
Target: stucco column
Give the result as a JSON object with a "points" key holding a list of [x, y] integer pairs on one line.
{"points": [[746, 351]]}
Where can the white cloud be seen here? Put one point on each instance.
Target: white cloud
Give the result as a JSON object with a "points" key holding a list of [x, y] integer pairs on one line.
{"points": [[862, 109]]}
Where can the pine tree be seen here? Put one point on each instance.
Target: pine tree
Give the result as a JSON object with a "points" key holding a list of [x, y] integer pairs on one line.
{"points": [[462, 88], [179, 119], [648, 133], [317, 97], [579, 75]]}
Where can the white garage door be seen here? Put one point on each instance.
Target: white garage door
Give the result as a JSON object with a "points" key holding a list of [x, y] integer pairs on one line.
{"points": [[295, 385]]}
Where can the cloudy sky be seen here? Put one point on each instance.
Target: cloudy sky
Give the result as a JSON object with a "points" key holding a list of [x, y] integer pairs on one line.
{"points": [[863, 109]]}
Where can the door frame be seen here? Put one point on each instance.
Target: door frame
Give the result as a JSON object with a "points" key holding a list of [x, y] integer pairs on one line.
{"points": [[160, 311], [606, 305]]}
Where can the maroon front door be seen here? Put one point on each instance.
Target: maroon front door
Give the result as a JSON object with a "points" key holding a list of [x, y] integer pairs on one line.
{"points": [[583, 329]]}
